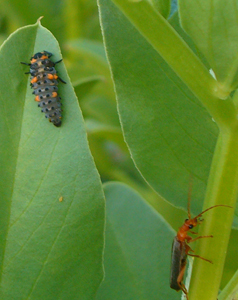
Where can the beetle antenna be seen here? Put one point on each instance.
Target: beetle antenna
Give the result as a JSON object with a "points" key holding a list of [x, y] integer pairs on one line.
{"points": [[189, 194], [211, 208]]}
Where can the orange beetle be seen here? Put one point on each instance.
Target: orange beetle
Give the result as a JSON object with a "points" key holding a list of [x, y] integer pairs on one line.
{"points": [[180, 248]]}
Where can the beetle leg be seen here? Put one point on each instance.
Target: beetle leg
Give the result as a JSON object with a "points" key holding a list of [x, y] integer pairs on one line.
{"points": [[179, 281], [200, 257], [189, 249], [193, 232], [199, 237]]}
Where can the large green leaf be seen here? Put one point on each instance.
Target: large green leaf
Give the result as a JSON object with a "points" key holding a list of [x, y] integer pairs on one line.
{"points": [[213, 27], [137, 252], [49, 249], [168, 131]]}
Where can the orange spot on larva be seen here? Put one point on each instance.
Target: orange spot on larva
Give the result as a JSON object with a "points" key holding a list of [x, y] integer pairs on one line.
{"points": [[54, 94], [33, 60], [33, 80], [37, 99], [50, 76]]}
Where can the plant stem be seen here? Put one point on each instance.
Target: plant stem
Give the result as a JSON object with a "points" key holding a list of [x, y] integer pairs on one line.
{"points": [[222, 189]]}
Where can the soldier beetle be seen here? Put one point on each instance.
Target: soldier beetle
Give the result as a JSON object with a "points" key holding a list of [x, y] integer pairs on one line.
{"points": [[180, 248]]}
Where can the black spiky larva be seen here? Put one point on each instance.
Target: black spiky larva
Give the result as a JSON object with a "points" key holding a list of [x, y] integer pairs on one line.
{"points": [[44, 82]]}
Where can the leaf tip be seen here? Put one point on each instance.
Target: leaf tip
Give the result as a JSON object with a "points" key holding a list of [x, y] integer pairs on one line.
{"points": [[38, 21]]}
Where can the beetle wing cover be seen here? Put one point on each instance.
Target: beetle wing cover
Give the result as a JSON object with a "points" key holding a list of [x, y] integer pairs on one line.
{"points": [[178, 261]]}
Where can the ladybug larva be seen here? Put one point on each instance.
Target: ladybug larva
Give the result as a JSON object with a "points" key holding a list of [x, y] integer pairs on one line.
{"points": [[44, 82]]}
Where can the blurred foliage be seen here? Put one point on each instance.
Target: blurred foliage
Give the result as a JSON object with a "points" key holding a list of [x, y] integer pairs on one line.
{"points": [[75, 24]]}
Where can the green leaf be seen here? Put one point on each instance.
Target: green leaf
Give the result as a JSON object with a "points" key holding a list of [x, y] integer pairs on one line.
{"points": [[84, 86], [213, 27], [49, 249], [106, 132], [138, 247], [169, 133], [111, 153], [102, 110], [90, 57], [87, 58]]}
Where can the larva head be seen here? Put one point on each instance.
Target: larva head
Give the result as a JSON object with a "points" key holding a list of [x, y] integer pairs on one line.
{"points": [[42, 55]]}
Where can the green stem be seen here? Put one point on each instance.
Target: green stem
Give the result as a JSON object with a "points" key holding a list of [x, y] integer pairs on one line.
{"points": [[163, 38], [230, 292], [222, 189]]}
